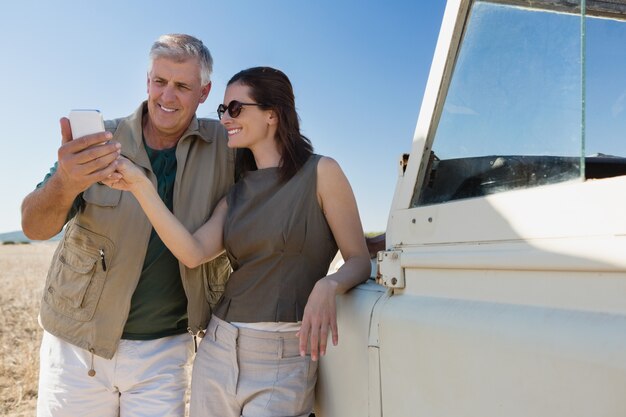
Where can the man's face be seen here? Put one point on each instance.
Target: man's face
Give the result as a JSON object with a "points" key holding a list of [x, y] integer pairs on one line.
{"points": [[174, 94]]}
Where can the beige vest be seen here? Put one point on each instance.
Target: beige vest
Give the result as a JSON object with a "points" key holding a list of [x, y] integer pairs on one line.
{"points": [[97, 265]]}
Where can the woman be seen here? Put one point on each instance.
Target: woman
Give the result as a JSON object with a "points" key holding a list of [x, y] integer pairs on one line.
{"points": [[281, 225]]}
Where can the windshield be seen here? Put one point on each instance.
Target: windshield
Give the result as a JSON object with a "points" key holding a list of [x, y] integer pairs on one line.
{"points": [[514, 115]]}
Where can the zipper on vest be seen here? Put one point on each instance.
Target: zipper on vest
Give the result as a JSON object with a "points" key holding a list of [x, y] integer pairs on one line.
{"points": [[104, 264]]}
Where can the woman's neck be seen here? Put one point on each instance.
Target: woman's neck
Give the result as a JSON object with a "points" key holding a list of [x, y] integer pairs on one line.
{"points": [[267, 156]]}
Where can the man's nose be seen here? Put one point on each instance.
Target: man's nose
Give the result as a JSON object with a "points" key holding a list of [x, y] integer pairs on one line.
{"points": [[169, 93]]}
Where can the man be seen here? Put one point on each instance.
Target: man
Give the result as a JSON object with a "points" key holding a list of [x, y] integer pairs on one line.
{"points": [[117, 306]]}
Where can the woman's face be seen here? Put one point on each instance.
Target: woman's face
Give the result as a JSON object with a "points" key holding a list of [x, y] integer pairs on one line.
{"points": [[252, 126]]}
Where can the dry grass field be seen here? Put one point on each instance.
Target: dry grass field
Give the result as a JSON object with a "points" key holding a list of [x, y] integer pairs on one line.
{"points": [[23, 271]]}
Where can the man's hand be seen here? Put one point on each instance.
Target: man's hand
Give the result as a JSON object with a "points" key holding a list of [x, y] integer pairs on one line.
{"points": [[82, 162], [86, 160]]}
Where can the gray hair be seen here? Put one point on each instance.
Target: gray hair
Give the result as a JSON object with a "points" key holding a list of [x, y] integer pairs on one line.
{"points": [[180, 47]]}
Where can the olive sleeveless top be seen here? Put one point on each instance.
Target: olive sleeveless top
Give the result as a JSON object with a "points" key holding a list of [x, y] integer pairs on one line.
{"points": [[279, 245]]}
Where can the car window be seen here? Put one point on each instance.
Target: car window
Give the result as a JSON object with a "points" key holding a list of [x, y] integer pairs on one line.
{"points": [[512, 116]]}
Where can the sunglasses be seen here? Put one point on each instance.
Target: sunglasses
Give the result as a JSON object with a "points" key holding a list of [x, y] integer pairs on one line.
{"points": [[234, 108]]}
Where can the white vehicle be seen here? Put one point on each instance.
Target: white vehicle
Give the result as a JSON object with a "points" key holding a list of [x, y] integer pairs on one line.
{"points": [[502, 289]]}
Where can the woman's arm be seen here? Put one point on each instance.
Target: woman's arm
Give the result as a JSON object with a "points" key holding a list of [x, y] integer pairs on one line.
{"points": [[339, 205], [191, 249]]}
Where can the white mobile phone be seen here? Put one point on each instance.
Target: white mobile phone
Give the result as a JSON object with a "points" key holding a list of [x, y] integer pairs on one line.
{"points": [[85, 122]]}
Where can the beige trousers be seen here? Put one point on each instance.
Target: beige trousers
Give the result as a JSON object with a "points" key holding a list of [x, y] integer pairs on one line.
{"points": [[251, 373]]}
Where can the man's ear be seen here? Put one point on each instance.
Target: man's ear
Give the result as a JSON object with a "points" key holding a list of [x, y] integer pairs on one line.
{"points": [[205, 92]]}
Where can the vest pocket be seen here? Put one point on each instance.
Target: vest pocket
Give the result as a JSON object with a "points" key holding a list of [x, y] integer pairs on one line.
{"points": [[76, 278], [215, 274], [75, 272]]}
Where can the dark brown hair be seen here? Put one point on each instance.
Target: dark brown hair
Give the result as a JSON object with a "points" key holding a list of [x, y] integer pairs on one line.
{"points": [[271, 88]]}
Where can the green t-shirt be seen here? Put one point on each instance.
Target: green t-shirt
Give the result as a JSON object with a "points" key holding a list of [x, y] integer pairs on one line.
{"points": [[159, 305]]}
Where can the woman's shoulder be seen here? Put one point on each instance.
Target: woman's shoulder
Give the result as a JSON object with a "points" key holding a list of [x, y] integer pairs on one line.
{"points": [[332, 184], [327, 167]]}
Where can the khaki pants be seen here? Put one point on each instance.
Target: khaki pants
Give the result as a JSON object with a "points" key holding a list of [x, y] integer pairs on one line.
{"points": [[251, 373]]}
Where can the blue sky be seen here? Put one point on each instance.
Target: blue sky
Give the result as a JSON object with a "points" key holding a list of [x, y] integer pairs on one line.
{"points": [[359, 69]]}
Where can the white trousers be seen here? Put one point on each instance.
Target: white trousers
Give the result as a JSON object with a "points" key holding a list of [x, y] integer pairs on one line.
{"points": [[144, 378]]}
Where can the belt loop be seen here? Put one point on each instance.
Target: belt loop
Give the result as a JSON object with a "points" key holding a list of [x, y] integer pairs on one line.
{"points": [[281, 344]]}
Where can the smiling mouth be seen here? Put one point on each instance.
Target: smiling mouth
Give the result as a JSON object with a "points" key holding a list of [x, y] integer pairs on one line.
{"points": [[166, 109], [233, 131]]}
